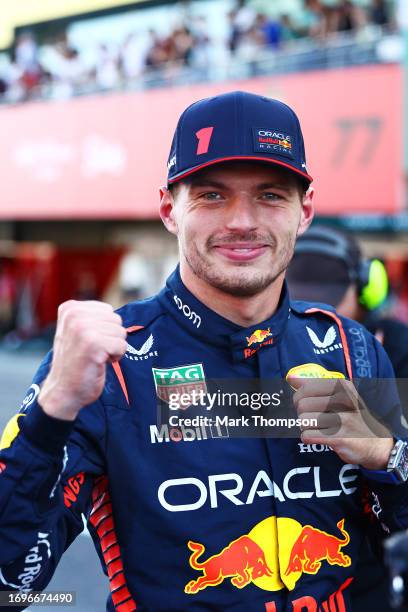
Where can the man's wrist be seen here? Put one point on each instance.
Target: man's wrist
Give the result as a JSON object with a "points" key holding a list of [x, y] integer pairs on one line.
{"points": [[54, 404], [45, 432], [380, 456]]}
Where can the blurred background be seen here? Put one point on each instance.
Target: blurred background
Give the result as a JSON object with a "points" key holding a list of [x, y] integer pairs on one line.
{"points": [[90, 91]]}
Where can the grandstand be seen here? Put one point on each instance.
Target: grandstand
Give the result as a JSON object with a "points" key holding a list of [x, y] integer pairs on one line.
{"points": [[172, 43]]}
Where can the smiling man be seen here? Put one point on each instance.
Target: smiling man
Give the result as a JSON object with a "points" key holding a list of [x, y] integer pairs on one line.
{"points": [[186, 514]]}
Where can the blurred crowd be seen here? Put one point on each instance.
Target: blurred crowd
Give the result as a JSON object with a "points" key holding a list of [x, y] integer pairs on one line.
{"points": [[58, 69]]}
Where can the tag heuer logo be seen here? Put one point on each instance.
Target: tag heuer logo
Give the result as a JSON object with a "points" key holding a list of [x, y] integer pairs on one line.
{"points": [[143, 353], [327, 344], [180, 380]]}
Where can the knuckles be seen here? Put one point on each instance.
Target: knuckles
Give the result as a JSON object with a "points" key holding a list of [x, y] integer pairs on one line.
{"points": [[65, 306], [75, 317], [91, 306]]}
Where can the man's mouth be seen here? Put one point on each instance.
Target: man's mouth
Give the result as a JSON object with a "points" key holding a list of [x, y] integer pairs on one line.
{"points": [[240, 251]]}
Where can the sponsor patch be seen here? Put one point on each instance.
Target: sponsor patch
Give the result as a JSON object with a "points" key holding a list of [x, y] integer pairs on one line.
{"points": [[260, 556], [328, 344], [181, 380], [267, 140], [312, 370], [187, 312], [28, 570], [260, 337], [172, 162], [145, 351], [303, 482], [186, 434], [359, 353], [29, 399], [11, 431], [72, 489]]}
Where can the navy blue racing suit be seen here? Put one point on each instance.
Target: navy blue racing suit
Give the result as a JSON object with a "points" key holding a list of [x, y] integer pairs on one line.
{"points": [[188, 517]]}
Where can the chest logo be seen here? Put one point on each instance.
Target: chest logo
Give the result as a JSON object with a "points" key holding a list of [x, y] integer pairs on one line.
{"points": [[259, 335], [260, 556], [181, 383], [144, 352], [328, 343]]}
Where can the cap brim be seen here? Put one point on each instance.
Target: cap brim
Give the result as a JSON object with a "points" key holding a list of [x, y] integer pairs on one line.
{"points": [[185, 173]]}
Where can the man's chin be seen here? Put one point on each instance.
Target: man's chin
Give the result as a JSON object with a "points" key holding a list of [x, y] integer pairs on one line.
{"points": [[240, 285], [239, 279]]}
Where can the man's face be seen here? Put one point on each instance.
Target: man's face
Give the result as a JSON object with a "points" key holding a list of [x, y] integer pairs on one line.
{"points": [[237, 223]]}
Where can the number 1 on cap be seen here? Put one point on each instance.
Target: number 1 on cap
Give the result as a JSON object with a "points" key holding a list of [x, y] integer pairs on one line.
{"points": [[204, 137]]}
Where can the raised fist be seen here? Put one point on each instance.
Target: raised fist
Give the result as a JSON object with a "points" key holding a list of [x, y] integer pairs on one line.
{"points": [[88, 336]]}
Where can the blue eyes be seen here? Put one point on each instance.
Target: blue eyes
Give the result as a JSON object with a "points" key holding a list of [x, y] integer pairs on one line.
{"points": [[214, 195], [271, 196]]}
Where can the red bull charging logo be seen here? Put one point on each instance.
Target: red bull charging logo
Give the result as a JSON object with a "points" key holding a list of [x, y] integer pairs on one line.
{"points": [[314, 546], [259, 335], [256, 557], [242, 561]]}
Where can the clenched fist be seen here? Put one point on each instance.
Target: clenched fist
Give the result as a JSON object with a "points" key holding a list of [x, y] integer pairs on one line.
{"points": [[343, 421], [88, 336]]}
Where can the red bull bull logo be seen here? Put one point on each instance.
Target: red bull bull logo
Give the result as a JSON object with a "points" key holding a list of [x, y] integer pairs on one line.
{"points": [[286, 144], [242, 561], [272, 556], [259, 335], [314, 546]]}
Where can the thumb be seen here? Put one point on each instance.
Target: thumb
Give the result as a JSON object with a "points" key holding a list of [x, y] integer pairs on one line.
{"points": [[295, 381]]}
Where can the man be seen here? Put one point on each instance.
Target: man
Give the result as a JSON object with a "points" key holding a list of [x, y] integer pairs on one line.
{"points": [[196, 518], [328, 267]]}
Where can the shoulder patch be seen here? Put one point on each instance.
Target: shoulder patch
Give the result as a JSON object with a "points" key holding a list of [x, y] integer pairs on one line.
{"points": [[31, 395], [11, 431]]}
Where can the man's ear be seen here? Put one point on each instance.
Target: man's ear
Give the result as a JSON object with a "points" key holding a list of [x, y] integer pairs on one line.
{"points": [[166, 210], [307, 213]]}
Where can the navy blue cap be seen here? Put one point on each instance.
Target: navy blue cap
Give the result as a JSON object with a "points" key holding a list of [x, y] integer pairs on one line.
{"points": [[236, 125]]}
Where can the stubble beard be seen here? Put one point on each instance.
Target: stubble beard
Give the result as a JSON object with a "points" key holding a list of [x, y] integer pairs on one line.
{"points": [[246, 280]]}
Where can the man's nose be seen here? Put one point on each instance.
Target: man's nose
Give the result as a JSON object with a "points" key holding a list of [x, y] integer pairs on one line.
{"points": [[241, 214]]}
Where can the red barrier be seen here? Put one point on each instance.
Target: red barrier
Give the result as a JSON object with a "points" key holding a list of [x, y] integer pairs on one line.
{"points": [[44, 276], [105, 156]]}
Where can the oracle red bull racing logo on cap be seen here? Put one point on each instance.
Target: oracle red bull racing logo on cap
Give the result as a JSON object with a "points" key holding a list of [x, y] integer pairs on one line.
{"points": [[272, 141], [272, 556]]}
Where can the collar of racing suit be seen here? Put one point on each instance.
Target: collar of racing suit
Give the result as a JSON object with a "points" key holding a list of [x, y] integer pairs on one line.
{"points": [[201, 321]]}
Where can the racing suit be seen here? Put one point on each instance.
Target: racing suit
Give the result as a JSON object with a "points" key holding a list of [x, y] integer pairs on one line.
{"points": [[193, 518]]}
